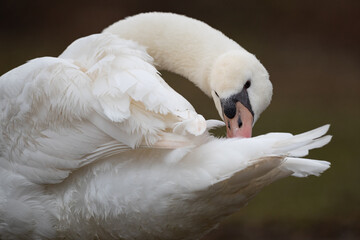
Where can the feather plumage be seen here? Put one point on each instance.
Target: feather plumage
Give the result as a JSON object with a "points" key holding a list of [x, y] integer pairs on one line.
{"points": [[94, 143]]}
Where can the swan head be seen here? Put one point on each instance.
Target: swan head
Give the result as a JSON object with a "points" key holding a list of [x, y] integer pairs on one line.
{"points": [[241, 90]]}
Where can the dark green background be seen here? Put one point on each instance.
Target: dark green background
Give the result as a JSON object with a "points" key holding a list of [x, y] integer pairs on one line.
{"points": [[312, 52]]}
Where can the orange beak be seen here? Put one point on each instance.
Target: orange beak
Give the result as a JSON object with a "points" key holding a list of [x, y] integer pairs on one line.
{"points": [[241, 124]]}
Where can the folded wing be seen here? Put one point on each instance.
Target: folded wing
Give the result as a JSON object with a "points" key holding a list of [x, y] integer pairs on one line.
{"points": [[100, 97]]}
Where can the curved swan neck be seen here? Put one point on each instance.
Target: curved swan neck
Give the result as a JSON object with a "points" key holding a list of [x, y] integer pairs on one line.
{"points": [[177, 43]]}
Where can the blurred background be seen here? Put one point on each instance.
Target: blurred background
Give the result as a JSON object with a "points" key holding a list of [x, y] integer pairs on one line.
{"points": [[312, 52]]}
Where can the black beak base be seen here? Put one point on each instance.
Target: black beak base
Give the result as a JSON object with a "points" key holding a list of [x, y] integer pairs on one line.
{"points": [[229, 104]]}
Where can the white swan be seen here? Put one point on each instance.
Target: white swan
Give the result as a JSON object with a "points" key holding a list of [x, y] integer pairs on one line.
{"points": [[94, 144]]}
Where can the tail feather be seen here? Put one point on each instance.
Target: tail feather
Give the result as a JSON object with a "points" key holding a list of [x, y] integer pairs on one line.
{"points": [[281, 161], [302, 167], [314, 143], [299, 145], [315, 133]]}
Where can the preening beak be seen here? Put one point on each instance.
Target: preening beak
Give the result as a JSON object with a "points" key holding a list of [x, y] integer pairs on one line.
{"points": [[238, 115]]}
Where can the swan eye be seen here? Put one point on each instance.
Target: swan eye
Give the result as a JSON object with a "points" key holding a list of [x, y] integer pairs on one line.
{"points": [[247, 84], [217, 94]]}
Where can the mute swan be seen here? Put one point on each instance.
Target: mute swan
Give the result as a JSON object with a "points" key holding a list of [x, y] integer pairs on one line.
{"points": [[95, 144]]}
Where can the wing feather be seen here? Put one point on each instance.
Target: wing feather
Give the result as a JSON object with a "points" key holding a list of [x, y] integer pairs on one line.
{"points": [[101, 97]]}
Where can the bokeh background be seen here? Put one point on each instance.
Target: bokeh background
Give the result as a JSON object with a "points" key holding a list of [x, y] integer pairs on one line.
{"points": [[312, 52]]}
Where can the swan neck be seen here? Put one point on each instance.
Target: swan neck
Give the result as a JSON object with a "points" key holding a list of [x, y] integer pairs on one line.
{"points": [[177, 43]]}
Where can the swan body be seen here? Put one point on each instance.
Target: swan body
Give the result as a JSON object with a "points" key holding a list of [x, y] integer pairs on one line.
{"points": [[95, 144]]}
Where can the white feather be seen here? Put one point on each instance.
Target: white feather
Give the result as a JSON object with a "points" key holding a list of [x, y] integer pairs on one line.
{"points": [[95, 144]]}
